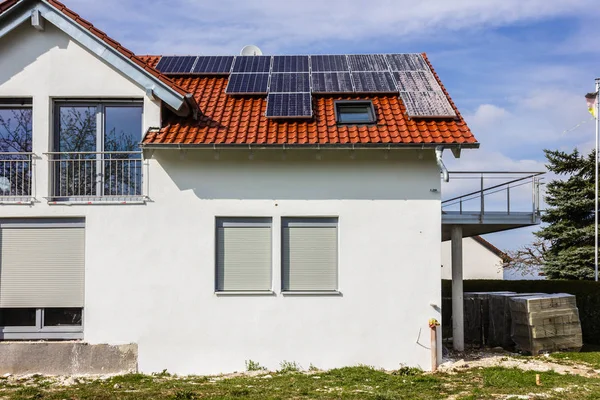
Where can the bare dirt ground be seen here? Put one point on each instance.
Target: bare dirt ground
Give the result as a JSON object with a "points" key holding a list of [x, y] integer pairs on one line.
{"points": [[485, 359]]}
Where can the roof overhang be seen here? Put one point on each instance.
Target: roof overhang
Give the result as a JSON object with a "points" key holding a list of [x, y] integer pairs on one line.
{"points": [[255, 146], [22, 12]]}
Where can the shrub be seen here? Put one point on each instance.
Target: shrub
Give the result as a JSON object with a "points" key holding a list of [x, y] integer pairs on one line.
{"points": [[587, 293], [289, 366], [254, 366]]}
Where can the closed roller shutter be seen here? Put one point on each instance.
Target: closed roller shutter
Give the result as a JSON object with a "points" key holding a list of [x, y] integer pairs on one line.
{"points": [[310, 255], [244, 255], [41, 265]]}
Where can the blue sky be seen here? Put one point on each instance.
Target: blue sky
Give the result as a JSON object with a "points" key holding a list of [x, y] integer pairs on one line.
{"points": [[517, 69]]}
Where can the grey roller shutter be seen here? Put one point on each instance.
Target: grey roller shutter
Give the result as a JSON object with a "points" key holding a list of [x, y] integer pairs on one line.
{"points": [[310, 255], [41, 266], [244, 255]]}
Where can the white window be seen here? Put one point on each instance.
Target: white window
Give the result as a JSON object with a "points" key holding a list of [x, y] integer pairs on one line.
{"points": [[41, 278], [309, 254], [243, 255]]}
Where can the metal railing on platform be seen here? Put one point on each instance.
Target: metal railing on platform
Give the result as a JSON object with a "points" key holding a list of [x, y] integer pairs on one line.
{"points": [[475, 201], [96, 176], [16, 175]]}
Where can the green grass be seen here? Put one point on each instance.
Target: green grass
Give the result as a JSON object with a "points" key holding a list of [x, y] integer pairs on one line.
{"points": [[360, 382], [590, 358]]}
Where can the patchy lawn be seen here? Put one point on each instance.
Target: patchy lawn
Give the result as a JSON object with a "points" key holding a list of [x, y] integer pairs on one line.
{"points": [[463, 382], [590, 358]]}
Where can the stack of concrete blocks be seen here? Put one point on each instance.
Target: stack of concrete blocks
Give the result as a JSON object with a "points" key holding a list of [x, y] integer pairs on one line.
{"points": [[476, 309], [545, 323], [500, 325]]}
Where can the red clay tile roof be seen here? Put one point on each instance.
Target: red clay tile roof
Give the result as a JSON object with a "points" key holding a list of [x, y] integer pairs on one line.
{"points": [[5, 5], [241, 120], [227, 120], [490, 247]]}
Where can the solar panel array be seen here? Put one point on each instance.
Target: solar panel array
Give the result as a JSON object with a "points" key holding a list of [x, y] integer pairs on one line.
{"points": [[289, 81], [419, 89]]}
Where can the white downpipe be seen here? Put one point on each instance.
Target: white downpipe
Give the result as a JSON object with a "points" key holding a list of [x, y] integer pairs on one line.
{"points": [[439, 151]]}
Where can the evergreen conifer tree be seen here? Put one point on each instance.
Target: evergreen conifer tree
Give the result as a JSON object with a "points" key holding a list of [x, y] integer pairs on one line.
{"points": [[569, 217]]}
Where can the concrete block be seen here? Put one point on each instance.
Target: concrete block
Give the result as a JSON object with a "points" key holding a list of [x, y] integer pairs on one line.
{"points": [[67, 358]]}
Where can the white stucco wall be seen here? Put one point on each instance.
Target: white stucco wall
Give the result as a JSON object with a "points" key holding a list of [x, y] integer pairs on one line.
{"points": [[478, 261], [149, 276]]}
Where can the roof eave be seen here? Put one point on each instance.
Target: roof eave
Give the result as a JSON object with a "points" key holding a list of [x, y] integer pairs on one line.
{"points": [[334, 146]]}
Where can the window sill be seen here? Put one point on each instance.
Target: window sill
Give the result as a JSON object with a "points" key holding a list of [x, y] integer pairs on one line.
{"points": [[28, 335], [27, 201], [246, 293], [313, 293], [97, 201]]}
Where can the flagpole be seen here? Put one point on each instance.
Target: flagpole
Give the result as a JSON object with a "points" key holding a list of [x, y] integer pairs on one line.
{"points": [[596, 197]]}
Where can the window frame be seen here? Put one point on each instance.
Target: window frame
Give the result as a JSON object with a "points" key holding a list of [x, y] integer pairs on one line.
{"points": [[41, 332], [314, 222], [355, 103], [27, 194], [100, 105], [258, 221]]}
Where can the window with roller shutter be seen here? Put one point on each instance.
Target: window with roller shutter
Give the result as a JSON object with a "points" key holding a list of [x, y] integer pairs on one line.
{"points": [[309, 254], [41, 278], [243, 255]]}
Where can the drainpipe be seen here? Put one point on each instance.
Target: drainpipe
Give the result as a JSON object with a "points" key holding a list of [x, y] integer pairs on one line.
{"points": [[438, 157]]}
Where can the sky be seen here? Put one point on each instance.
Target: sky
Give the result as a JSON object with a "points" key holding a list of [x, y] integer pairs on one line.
{"points": [[518, 70]]}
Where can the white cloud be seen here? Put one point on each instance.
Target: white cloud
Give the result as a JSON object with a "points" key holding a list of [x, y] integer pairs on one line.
{"points": [[224, 26], [486, 115]]}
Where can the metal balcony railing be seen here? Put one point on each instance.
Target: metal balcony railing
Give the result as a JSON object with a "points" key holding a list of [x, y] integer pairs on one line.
{"points": [[16, 175], [96, 176], [498, 199]]}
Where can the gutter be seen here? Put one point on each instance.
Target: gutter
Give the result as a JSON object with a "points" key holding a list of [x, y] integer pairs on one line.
{"points": [[438, 157], [373, 146]]}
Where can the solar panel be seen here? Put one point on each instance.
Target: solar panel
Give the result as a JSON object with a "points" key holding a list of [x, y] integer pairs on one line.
{"points": [[329, 63], [176, 64], [427, 104], [416, 81], [252, 64], [373, 82], [213, 65], [248, 84], [331, 82], [289, 105], [290, 64], [367, 62], [407, 62], [289, 82]]}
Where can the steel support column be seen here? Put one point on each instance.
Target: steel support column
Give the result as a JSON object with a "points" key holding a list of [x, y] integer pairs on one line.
{"points": [[458, 325]]}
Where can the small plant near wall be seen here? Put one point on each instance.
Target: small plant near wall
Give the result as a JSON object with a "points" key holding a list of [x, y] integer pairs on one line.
{"points": [[405, 370], [254, 366], [312, 368], [289, 366], [163, 374]]}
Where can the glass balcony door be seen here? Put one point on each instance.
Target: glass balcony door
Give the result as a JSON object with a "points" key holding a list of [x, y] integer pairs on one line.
{"points": [[97, 151]]}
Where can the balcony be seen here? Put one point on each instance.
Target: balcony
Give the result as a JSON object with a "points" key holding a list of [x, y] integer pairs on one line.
{"points": [[16, 172], [494, 201], [96, 177]]}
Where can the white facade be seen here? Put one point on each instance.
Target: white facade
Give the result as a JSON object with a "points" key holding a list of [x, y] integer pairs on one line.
{"points": [[479, 262], [150, 268]]}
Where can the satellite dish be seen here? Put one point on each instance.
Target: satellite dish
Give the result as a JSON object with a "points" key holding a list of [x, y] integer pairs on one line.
{"points": [[251, 50]]}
